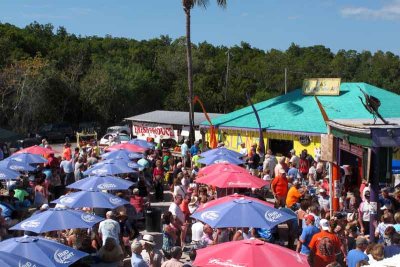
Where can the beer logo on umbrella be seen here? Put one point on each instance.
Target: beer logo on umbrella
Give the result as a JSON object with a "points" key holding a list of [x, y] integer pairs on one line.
{"points": [[30, 224], [63, 257], [272, 216], [210, 215], [106, 186]]}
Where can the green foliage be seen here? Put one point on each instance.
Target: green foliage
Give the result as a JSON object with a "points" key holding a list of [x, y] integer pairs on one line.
{"points": [[49, 75]]}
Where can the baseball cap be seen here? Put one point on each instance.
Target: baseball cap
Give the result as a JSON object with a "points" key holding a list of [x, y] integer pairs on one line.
{"points": [[324, 224], [310, 217], [321, 190]]}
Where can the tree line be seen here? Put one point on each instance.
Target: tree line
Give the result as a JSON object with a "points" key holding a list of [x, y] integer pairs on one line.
{"points": [[48, 75]]}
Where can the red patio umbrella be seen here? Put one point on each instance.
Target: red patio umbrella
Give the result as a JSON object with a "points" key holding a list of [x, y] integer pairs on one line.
{"points": [[38, 150], [218, 167], [231, 178], [248, 253], [127, 146]]}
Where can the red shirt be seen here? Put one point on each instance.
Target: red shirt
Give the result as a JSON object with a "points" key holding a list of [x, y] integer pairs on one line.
{"points": [[280, 186], [158, 171], [137, 202]]}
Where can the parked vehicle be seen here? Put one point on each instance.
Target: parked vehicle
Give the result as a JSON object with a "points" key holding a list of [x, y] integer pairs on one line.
{"points": [[116, 137], [56, 132], [125, 129]]}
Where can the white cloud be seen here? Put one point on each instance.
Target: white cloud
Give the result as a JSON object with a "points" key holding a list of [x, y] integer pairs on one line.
{"points": [[389, 11]]}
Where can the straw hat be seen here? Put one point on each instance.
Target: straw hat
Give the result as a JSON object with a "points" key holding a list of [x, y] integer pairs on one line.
{"points": [[148, 239], [193, 200]]}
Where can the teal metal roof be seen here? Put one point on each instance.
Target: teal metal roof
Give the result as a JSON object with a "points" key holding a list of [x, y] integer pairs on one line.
{"points": [[295, 112]]}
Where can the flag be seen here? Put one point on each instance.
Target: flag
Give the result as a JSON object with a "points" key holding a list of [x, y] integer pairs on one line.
{"points": [[211, 130]]}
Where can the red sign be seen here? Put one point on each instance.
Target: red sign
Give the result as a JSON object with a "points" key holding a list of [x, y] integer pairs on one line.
{"points": [[156, 131]]}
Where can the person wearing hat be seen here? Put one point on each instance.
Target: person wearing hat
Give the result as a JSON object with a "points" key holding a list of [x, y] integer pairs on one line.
{"points": [[149, 251], [306, 235], [294, 194], [324, 246], [193, 204], [279, 187], [323, 200], [358, 254]]}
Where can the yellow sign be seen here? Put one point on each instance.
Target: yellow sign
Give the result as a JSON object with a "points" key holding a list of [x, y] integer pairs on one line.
{"points": [[321, 86]]}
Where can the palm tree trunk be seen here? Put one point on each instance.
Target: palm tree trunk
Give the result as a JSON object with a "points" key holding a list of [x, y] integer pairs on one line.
{"points": [[190, 73]]}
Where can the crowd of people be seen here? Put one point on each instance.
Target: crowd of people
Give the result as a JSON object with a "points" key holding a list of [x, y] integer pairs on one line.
{"points": [[298, 183]]}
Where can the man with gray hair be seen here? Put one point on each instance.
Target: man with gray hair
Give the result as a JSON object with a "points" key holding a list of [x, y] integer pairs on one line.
{"points": [[136, 259], [110, 228], [356, 255], [176, 254]]}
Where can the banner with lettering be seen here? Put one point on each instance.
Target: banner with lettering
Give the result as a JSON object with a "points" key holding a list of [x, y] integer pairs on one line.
{"points": [[154, 131]]}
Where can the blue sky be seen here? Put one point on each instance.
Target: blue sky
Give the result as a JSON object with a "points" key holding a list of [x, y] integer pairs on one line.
{"points": [[265, 24]]}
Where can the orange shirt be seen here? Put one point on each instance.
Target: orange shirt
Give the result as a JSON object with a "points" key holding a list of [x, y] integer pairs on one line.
{"points": [[325, 246], [293, 196], [67, 153], [280, 186]]}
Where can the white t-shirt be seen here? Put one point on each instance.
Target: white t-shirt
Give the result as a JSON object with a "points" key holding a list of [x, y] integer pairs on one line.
{"points": [[177, 212], [109, 228], [197, 231], [179, 190], [365, 209]]}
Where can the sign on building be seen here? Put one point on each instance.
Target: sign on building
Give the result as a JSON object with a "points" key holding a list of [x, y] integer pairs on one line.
{"points": [[321, 86], [143, 131], [327, 148]]}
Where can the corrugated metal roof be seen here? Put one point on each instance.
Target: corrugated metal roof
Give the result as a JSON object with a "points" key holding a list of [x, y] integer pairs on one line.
{"points": [[295, 112], [171, 117]]}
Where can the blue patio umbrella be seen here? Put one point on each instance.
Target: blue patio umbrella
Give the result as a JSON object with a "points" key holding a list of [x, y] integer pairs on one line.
{"points": [[43, 251], [221, 151], [91, 199], [57, 219], [120, 162], [11, 260], [16, 165], [142, 143], [226, 158], [109, 168], [28, 158], [97, 183], [122, 154], [241, 212], [7, 174]]}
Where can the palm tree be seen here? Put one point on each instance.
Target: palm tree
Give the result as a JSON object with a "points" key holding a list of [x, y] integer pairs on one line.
{"points": [[187, 6]]}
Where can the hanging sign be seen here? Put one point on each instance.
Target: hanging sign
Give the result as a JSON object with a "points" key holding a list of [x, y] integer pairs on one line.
{"points": [[304, 140]]}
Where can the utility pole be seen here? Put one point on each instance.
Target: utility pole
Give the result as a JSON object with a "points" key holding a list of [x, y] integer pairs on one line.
{"points": [[285, 81], [226, 79]]}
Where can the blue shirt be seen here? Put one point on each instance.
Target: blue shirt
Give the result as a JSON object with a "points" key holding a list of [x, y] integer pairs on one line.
{"points": [[137, 261], [293, 173], [194, 150], [390, 251], [306, 235], [355, 256]]}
